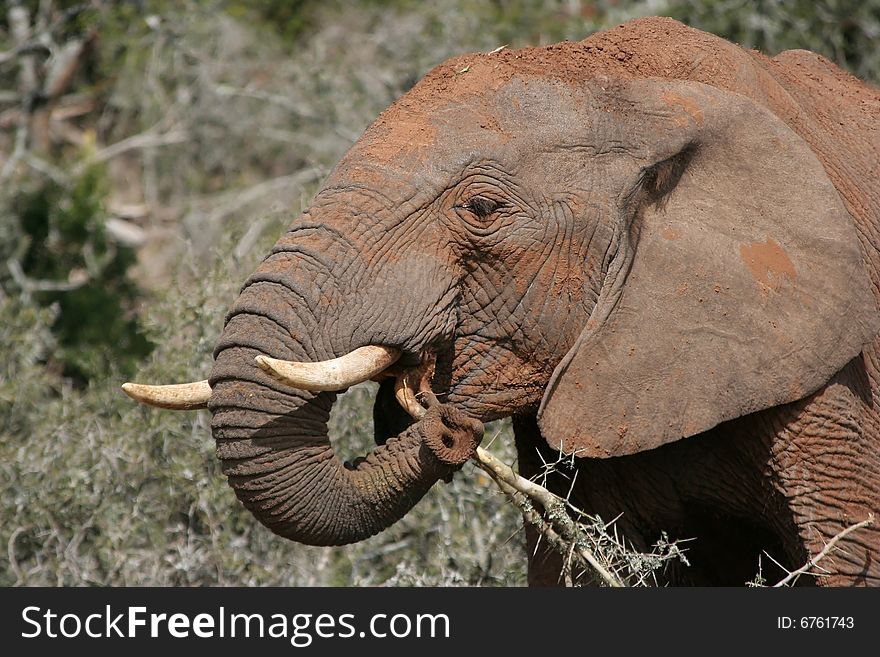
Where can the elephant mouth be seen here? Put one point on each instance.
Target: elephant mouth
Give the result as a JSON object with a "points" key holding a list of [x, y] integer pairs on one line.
{"points": [[412, 387]]}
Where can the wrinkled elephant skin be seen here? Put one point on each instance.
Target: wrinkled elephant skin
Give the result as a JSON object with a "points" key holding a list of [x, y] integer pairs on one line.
{"points": [[656, 250]]}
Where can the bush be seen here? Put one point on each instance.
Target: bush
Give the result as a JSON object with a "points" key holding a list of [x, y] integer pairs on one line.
{"points": [[71, 266], [243, 106], [845, 31]]}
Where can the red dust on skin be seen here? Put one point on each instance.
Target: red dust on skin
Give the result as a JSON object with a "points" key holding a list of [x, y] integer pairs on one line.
{"points": [[689, 106], [768, 263], [385, 141], [408, 126]]}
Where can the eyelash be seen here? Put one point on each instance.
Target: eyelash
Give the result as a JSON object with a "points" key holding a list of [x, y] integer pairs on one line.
{"points": [[481, 206]]}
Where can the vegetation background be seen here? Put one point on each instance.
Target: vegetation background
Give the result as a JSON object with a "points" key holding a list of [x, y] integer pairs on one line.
{"points": [[150, 153]]}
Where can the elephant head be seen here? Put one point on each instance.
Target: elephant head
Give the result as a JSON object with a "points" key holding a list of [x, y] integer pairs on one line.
{"points": [[634, 260]]}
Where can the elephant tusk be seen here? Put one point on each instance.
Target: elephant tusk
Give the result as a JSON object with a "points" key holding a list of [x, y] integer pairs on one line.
{"points": [[177, 397], [406, 397], [337, 374]]}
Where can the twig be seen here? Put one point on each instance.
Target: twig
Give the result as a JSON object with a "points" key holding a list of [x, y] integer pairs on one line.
{"points": [[559, 528], [20, 29], [814, 562], [155, 99], [275, 99], [41, 165], [21, 137], [30, 285], [29, 48], [148, 139], [10, 552], [242, 198]]}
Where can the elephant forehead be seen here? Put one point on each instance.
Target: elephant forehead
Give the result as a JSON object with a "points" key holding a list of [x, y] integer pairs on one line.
{"points": [[423, 131], [520, 115], [409, 131]]}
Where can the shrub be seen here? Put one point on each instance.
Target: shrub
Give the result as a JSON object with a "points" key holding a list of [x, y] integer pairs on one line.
{"points": [[69, 264]]}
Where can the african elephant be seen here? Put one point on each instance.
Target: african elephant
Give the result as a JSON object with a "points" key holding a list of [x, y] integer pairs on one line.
{"points": [[653, 249]]}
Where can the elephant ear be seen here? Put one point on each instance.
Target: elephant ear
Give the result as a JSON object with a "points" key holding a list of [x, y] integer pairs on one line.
{"points": [[738, 283]]}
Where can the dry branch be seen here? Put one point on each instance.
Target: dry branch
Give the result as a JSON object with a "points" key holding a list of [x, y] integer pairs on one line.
{"points": [[20, 29], [555, 524], [78, 278], [149, 139], [829, 547]]}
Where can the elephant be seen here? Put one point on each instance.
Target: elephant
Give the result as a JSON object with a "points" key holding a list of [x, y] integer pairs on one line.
{"points": [[654, 250]]}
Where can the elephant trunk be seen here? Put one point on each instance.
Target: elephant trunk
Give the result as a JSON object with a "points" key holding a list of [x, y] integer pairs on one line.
{"points": [[273, 439]]}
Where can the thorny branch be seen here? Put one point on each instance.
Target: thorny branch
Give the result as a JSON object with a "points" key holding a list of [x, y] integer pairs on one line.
{"points": [[828, 549], [565, 536], [555, 524]]}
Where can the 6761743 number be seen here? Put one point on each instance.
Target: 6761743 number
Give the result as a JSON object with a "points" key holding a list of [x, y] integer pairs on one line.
{"points": [[815, 623]]}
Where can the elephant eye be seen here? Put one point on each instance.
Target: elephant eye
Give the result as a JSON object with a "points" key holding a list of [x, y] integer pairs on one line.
{"points": [[481, 206]]}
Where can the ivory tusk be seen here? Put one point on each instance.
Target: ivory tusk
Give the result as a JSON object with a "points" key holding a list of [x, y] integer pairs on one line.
{"points": [[406, 397], [177, 397], [337, 374]]}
